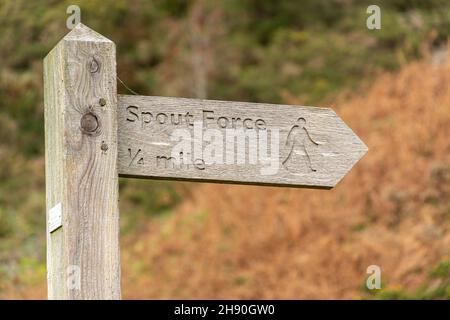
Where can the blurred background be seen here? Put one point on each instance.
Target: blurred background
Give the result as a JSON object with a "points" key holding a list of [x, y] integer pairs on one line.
{"points": [[190, 240]]}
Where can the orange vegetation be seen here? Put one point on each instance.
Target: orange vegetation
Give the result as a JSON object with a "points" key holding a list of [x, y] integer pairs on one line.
{"points": [[391, 210]]}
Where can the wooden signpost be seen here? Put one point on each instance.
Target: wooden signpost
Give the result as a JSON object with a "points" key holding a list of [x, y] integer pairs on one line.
{"points": [[234, 142], [94, 135]]}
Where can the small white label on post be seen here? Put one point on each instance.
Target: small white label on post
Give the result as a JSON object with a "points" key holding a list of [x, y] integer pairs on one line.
{"points": [[55, 218]]}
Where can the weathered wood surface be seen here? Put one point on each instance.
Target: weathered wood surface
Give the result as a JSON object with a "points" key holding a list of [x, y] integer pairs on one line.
{"points": [[316, 148], [81, 167]]}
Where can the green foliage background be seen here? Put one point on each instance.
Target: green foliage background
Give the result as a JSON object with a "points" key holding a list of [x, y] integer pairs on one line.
{"points": [[269, 51]]}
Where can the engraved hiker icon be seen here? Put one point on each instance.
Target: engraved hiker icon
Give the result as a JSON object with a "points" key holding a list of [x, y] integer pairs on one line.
{"points": [[299, 141]]}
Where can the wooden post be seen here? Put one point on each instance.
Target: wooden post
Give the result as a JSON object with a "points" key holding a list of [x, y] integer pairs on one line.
{"points": [[81, 167]]}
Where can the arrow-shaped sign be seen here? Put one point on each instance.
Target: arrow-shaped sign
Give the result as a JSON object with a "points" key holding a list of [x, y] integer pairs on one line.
{"points": [[234, 142]]}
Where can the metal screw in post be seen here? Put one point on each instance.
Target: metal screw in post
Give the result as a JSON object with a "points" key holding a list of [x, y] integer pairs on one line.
{"points": [[104, 147]]}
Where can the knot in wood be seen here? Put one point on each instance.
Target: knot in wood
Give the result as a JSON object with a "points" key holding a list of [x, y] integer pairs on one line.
{"points": [[93, 66], [89, 123]]}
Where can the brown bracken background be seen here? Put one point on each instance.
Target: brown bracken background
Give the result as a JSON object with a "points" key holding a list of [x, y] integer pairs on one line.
{"points": [[391, 210]]}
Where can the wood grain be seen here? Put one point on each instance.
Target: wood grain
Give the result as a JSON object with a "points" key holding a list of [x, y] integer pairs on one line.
{"points": [[316, 148], [81, 167]]}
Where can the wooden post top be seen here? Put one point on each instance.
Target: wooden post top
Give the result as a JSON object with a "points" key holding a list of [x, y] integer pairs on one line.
{"points": [[81, 167]]}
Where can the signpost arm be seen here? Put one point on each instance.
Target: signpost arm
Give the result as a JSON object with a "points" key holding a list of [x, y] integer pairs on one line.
{"points": [[81, 167]]}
